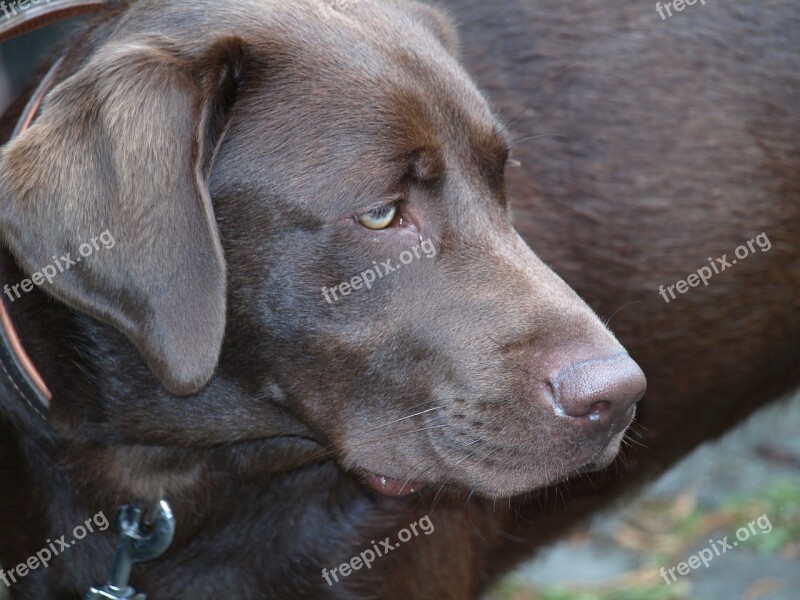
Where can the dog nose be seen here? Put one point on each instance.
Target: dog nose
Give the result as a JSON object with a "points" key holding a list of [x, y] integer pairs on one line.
{"points": [[600, 393]]}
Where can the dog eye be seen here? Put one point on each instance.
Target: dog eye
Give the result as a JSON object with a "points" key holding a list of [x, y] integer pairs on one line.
{"points": [[379, 218]]}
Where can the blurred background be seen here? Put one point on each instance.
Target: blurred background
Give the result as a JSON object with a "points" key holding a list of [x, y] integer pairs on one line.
{"points": [[755, 470]]}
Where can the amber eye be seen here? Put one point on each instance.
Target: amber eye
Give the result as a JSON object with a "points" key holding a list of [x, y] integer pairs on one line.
{"points": [[379, 218]]}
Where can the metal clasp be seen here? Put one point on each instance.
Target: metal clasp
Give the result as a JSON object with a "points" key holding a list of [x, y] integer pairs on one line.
{"points": [[135, 546]]}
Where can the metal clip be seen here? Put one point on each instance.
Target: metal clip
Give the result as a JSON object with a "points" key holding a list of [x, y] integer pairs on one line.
{"points": [[135, 546]]}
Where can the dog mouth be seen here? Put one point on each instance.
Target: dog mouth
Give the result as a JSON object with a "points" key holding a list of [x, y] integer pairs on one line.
{"points": [[472, 475], [390, 487]]}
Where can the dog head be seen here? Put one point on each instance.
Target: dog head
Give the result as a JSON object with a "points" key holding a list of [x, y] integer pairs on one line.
{"points": [[308, 207]]}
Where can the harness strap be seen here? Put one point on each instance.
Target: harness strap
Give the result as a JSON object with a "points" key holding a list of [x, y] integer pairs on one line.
{"points": [[35, 103]]}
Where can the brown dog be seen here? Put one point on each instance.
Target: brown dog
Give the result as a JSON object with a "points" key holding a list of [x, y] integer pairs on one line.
{"points": [[313, 259]]}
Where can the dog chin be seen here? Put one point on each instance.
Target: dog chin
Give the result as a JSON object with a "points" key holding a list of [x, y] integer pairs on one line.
{"points": [[519, 482]]}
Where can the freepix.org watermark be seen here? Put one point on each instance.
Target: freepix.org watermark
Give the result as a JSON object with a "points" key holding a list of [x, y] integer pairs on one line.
{"points": [[368, 556], [43, 557], [666, 9], [49, 272], [379, 271], [10, 8], [715, 267], [716, 548]]}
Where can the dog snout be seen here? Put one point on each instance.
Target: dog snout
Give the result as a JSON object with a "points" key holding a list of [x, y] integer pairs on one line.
{"points": [[600, 394]]}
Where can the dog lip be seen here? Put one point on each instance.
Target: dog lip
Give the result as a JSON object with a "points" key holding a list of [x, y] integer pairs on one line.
{"points": [[606, 456], [388, 486]]}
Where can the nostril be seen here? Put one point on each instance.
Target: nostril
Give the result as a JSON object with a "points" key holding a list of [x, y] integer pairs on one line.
{"points": [[598, 409]]}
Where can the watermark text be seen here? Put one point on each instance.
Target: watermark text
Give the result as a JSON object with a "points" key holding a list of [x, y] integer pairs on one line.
{"points": [[382, 548]]}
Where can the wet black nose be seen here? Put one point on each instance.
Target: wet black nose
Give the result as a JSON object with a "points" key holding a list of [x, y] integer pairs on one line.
{"points": [[601, 394]]}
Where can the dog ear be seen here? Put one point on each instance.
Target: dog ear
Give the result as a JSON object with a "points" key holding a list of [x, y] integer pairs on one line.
{"points": [[439, 23], [124, 148]]}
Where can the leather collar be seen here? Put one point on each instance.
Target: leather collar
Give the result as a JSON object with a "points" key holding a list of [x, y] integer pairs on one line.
{"points": [[17, 21], [15, 363]]}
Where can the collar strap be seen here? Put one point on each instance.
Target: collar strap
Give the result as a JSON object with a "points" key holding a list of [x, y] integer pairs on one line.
{"points": [[18, 20], [19, 368], [14, 361]]}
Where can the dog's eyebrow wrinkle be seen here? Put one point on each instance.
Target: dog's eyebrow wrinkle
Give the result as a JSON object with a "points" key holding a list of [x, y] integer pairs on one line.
{"points": [[427, 164], [490, 150], [496, 140]]}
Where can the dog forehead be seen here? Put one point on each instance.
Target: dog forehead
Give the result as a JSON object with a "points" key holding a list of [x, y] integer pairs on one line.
{"points": [[372, 39], [312, 19]]}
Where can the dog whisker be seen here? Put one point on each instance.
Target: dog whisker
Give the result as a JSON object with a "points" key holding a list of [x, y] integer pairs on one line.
{"points": [[399, 434], [409, 474], [608, 320], [460, 460], [332, 451], [512, 120], [422, 412], [533, 137]]}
